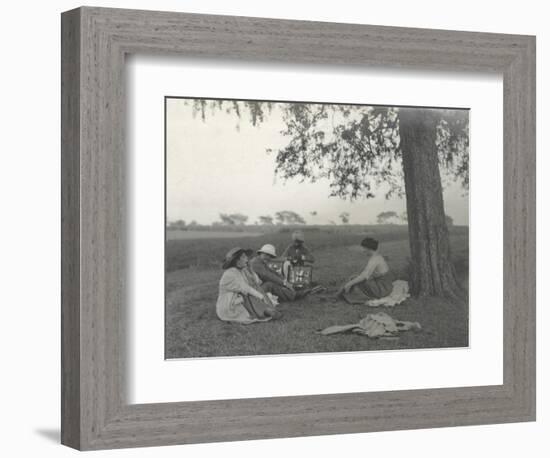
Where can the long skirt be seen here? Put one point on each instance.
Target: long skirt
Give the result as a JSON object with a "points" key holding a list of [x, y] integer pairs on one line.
{"points": [[377, 287]]}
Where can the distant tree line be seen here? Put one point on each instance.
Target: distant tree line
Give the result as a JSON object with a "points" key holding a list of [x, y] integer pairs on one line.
{"points": [[283, 217], [390, 217], [287, 217], [235, 219], [181, 225]]}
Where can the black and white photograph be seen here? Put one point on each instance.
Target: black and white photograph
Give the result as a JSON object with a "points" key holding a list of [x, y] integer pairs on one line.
{"points": [[304, 227], [271, 229]]}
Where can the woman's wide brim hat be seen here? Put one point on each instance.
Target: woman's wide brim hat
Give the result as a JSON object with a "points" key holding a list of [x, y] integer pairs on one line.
{"points": [[232, 255]]}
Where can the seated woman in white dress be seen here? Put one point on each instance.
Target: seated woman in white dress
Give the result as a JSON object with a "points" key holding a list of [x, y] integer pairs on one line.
{"points": [[238, 300]]}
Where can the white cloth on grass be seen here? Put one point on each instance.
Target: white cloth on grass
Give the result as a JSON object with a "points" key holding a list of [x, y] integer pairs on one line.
{"points": [[274, 299], [374, 325], [400, 292]]}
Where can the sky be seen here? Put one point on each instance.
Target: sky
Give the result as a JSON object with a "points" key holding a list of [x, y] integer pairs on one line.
{"points": [[221, 165]]}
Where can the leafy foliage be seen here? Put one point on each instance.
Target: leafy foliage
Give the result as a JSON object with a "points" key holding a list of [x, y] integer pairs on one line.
{"points": [[453, 145], [256, 110], [289, 217], [177, 225], [235, 219], [266, 220], [344, 216], [386, 217], [356, 148]]}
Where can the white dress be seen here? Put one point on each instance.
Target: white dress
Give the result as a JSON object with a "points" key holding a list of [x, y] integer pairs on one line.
{"points": [[229, 306]]}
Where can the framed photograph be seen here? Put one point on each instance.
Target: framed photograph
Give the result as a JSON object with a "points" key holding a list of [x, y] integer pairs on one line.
{"points": [[305, 202], [277, 228]]}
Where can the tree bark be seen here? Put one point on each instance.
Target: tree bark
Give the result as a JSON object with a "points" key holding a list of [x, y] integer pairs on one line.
{"points": [[432, 272]]}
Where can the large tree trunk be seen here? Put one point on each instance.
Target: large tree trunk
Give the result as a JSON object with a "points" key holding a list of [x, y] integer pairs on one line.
{"points": [[432, 272]]}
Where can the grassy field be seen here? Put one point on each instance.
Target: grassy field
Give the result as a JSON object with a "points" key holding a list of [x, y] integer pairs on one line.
{"points": [[193, 272], [198, 235]]}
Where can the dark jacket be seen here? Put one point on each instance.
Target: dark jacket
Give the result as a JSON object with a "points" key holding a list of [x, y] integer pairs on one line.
{"points": [[265, 273], [298, 254]]}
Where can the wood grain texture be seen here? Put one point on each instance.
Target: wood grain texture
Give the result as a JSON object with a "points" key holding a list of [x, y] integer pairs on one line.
{"points": [[95, 413], [70, 229]]}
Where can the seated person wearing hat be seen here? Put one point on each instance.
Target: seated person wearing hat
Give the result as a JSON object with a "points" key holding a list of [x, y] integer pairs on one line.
{"points": [[272, 282], [297, 253], [376, 279], [240, 299]]}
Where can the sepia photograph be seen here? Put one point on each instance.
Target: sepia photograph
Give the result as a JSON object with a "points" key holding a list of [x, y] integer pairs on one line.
{"points": [[296, 227]]}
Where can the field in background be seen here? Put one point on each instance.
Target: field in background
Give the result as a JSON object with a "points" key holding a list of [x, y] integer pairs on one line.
{"points": [[193, 266], [207, 248], [195, 235]]}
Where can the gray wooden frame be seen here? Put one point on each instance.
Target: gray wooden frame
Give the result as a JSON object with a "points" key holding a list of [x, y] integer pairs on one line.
{"points": [[95, 413]]}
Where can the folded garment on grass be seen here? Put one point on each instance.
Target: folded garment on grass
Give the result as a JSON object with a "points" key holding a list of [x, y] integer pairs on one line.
{"points": [[374, 325]]}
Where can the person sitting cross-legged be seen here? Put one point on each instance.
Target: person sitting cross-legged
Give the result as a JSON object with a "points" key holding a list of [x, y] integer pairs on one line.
{"points": [[240, 299], [296, 254], [273, 282], [376, 279]]}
